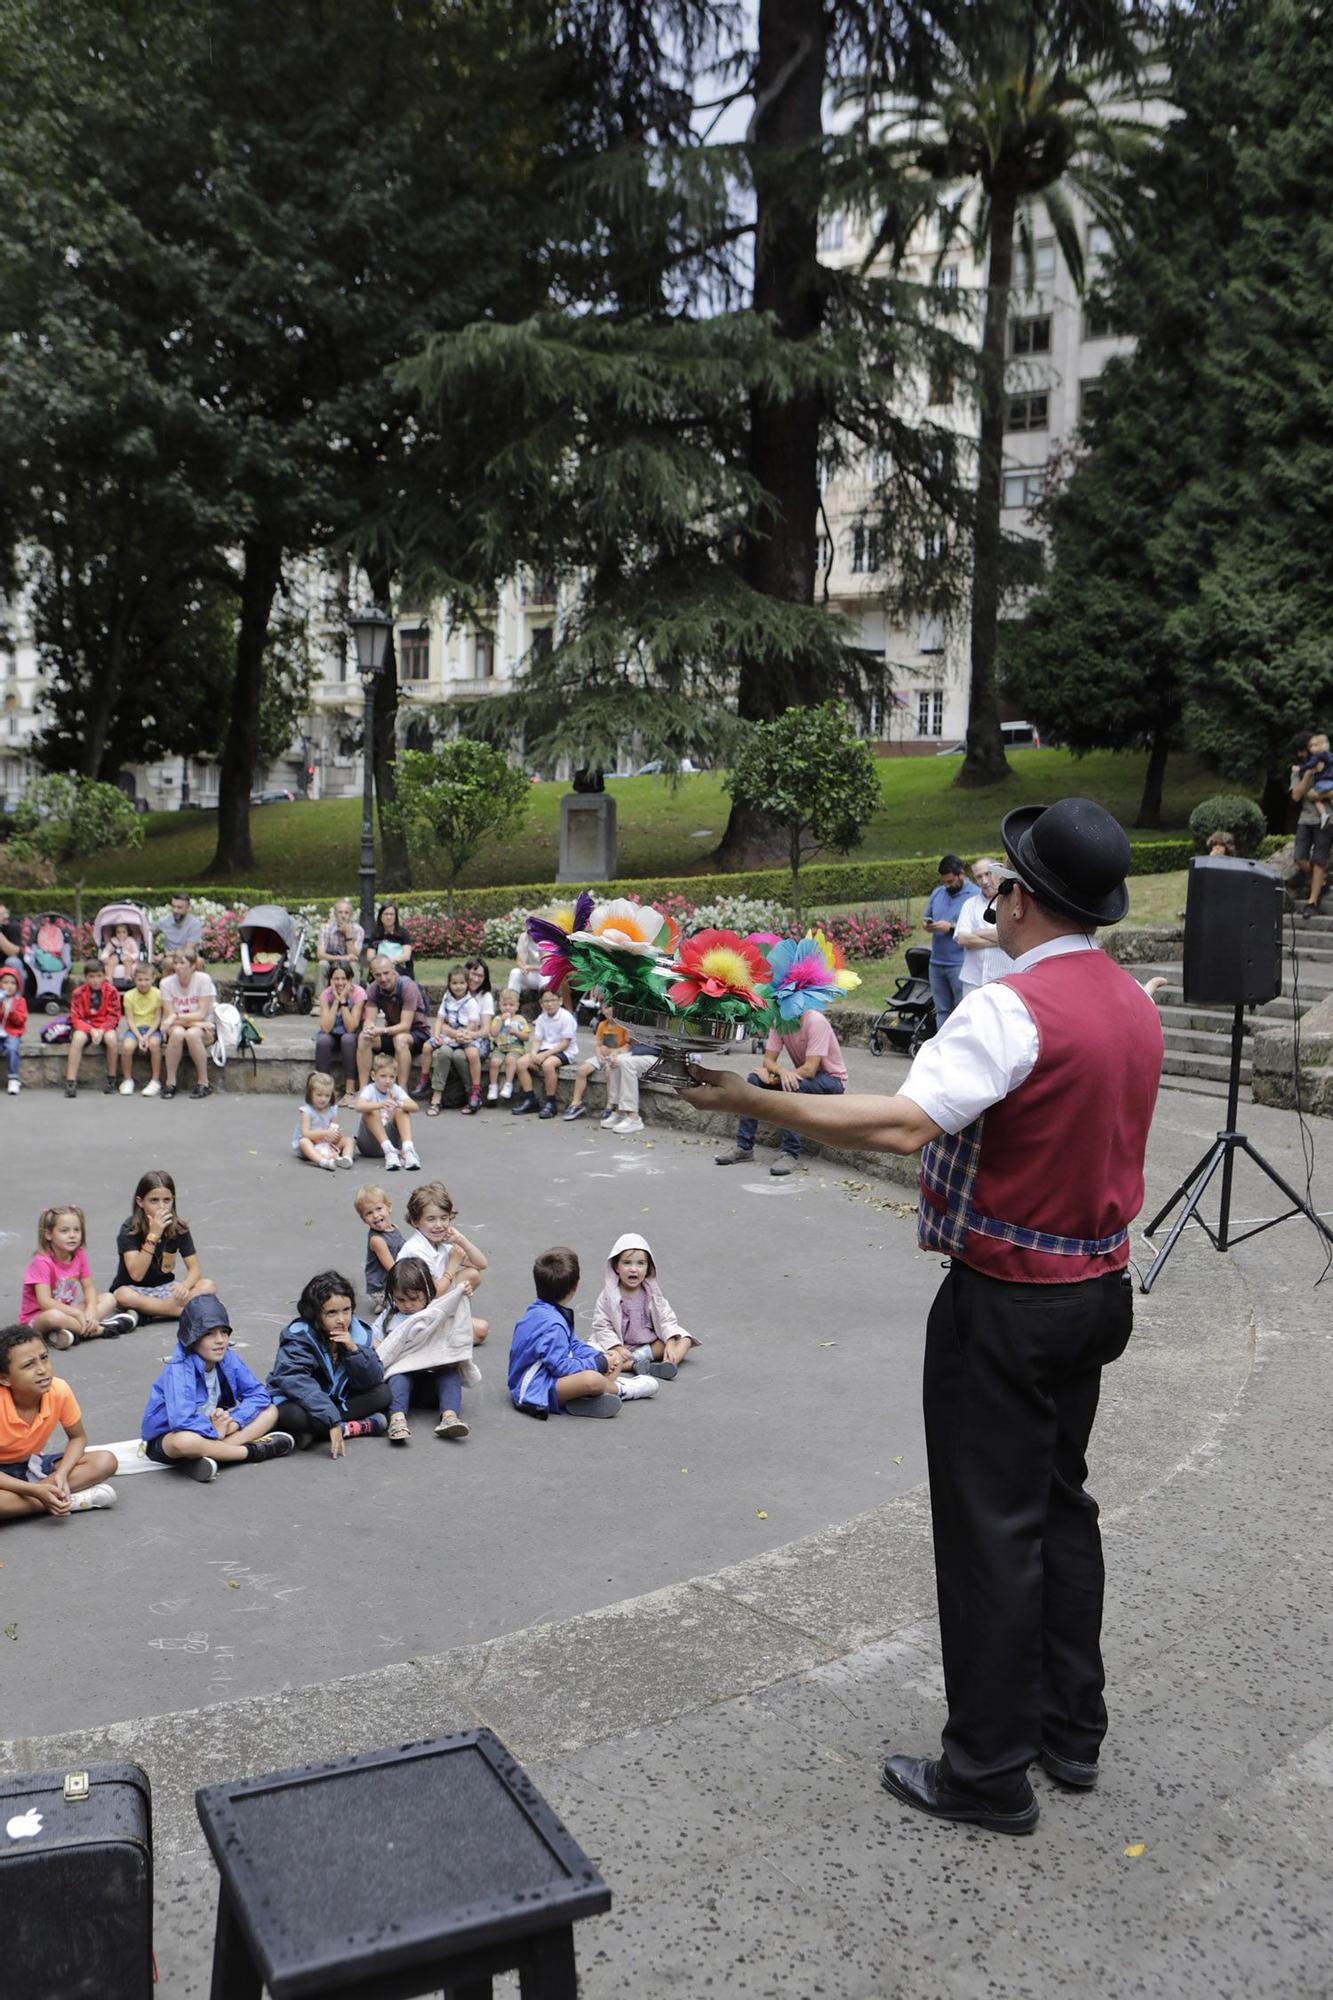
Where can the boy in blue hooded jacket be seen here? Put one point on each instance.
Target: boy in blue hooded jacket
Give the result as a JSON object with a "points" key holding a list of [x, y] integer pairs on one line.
{"points": [[550, 1368], [206, 1408]]}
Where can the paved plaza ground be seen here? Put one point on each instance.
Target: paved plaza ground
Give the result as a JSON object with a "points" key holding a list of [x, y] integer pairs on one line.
{"points": [[703, 1627]]}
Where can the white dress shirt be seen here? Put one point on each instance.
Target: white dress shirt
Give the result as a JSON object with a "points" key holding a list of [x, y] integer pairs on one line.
{"points": [[983, 962], [986, 1048]]}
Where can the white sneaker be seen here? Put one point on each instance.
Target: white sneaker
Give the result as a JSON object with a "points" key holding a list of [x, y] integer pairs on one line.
{"points": [[626, 1126], [611, 1115], [492, 1094], [410, 1160], [153, 1089], [127, 1088], [631, 1387], [506, 1090], [92, 1496], [392, 1160], [14, 1086]]}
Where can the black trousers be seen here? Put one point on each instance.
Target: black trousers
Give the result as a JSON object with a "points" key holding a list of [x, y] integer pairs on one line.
{"points": [[1012, 1377], [296, 1418]]}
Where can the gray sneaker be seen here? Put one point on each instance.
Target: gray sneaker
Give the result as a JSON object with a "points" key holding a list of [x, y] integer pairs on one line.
{"points": [[782, 1165], [735, 1156]]}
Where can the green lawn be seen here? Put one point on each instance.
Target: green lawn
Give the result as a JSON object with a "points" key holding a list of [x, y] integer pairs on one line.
{"points": [[310, 849]]}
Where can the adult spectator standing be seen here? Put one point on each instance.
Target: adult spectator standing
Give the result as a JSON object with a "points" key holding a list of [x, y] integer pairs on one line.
{"points": [[390, 940], [526, 975], [1314, 822], [394, 1023], [11, 947], [188, 999], [341, 1006], [983, 960], [179, 930], [944, 906], [1031, 1174], [340, 936]]}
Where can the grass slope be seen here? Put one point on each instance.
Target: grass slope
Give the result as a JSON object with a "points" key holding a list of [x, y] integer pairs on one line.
{"points": [[313, 848]]}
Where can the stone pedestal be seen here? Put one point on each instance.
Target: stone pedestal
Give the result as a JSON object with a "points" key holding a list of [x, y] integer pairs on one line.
{"points": [[587, 837]]}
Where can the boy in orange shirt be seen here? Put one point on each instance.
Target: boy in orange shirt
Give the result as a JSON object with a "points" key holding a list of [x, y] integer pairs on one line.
{"points": [[611, 1039], [33, 1401]]}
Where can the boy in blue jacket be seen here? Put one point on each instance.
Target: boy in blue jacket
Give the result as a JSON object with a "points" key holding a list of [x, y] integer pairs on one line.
{"points": [[206, 1409], [550, 1368]]}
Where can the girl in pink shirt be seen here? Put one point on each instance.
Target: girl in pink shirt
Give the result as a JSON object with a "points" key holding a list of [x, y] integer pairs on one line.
{"points": [[60, 1300]]}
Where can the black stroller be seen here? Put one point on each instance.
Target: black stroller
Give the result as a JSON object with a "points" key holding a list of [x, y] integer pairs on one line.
{"points": [[273, 962], [908, 1019]]}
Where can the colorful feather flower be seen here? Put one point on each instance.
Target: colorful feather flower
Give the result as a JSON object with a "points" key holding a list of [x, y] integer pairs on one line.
{"points": [[550, 930], [800, 979], [844, 978], [717, 965], [625, 926]]}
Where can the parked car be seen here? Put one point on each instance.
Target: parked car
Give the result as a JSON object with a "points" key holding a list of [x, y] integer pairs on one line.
{"points": [[270, 798], [1014, 735], [687, 768]]}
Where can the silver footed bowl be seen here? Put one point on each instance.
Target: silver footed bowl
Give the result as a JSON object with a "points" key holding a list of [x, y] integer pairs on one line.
{"points": [[676, 1037]]}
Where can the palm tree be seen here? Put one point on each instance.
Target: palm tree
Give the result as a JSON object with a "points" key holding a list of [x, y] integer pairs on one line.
{"points": [[1019, 113]]}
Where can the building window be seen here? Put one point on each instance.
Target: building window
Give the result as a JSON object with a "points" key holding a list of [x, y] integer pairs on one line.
{"points": [[865, 551], [484, 667], [821, 554], [934, 545], [830, 233], [414, 656], [543, 639], [541, 589], [1030, 336], [880, 467], [1043, 262], [1097, 322], [1089, 398], [1099, 241], [941, 388], [948, 279], [1023, 489], [930, 712], [930, 638], [1028, 413]]}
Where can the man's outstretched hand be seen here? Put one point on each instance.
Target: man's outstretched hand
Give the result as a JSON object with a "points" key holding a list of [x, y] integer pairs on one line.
{"points": [[716, 1090]]}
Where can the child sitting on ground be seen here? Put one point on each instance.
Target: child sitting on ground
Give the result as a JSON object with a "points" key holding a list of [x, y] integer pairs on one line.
{"points": [[206, 1408], [424, 1341], [550, 1368], [455, 1040], [383, 1242], [33, 1401], [442, 1246], [509, 1038], [632, 1318], [13, 1020], [610, 1039], [326, 1377], [94, 1016], [385, 1131], [318, 1137], [151, 1239], [141, 1030], [60, 1300]]}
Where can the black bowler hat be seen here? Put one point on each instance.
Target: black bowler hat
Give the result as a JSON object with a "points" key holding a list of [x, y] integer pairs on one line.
{"points": [[1074, 856]]}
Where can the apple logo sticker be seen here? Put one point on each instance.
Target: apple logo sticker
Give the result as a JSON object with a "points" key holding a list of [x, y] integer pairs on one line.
{"points": [[24, 1825]]}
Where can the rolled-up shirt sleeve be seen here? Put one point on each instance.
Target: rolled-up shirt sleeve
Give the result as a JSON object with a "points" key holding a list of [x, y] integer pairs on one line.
{"points": [[986, 1048]]}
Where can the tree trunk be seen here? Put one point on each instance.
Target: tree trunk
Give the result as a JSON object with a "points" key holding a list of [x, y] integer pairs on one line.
{"points": [[1277, 802], [1150, 805], [395, 862], [985, 762], [779, 554], [260, 577]]}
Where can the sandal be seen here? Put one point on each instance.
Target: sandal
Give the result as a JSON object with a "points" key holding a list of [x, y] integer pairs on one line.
{"points": [[451, 1426], [398, 1430], [432, 1110]]}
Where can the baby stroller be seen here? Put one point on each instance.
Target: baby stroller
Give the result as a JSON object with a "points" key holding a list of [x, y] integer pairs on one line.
{"points": [[908, 1019], [48, 957], [136, 923], [273, 963]]}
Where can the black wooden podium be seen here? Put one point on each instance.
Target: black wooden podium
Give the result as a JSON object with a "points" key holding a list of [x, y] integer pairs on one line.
{"points": [[430, 1867]]}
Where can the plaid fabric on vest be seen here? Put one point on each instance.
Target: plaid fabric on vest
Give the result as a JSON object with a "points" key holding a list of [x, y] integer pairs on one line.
{"points": [[945, 1216]]}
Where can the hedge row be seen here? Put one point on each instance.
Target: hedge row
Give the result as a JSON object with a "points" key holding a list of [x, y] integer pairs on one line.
{"points": [[821, 883]]}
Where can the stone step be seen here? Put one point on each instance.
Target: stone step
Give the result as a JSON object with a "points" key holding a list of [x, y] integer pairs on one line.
{"points": [[1212, 1021], [1204, 1086], [1190, 1041], [1311, 990], [1185, 1063]]}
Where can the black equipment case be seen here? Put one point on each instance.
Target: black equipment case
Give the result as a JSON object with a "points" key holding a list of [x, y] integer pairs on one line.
{"points": [[76, 1884]]}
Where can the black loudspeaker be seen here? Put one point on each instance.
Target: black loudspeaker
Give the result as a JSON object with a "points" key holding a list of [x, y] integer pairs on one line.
{"points": [[1233, 933]]}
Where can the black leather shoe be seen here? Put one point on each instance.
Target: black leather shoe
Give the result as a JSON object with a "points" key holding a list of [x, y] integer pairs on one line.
{"points": [[916, 1781], [1069, 1771]]}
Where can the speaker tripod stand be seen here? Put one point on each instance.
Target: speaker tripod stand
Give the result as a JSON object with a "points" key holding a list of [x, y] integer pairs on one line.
{"points": [[1222, 1153]]}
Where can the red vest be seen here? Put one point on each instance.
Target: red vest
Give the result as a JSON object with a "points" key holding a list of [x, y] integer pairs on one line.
{"points": [[1042, 1188]]}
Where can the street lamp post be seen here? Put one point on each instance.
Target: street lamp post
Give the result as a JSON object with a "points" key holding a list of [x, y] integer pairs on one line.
{"points": [[370, 631]]}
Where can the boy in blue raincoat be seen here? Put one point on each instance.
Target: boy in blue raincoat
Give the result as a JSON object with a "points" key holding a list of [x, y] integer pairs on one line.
{"points": [[550, 1368], [206, 1408]]}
